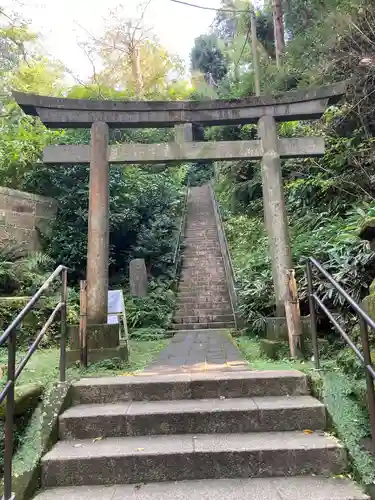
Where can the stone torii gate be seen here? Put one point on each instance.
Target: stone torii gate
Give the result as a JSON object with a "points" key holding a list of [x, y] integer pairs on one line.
{"points": [[100, 115]]}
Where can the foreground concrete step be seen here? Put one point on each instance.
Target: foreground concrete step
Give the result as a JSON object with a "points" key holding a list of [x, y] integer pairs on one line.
{"points": [[204, 326], [185, 456], [193, 416], [292, 488], [147, 386]]}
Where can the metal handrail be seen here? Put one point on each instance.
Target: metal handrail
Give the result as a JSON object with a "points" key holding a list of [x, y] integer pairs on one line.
{"points": [[180, 232], [364, 322], [10, 336], [230, 273], [232, 270]]}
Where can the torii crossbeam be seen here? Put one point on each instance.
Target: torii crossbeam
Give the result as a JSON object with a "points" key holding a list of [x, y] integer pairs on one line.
{"points": [[100, 115]]}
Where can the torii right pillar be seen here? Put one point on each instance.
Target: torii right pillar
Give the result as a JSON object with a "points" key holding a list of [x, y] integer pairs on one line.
{"points": [[274, 209]]}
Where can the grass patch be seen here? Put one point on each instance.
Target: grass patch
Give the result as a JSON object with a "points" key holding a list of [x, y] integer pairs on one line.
{"points": [[349, 418], [250, 348], [43, 365]]}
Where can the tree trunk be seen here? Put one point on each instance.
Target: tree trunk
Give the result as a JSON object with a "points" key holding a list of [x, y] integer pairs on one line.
{"points": [[278, 23], [137, 71]]}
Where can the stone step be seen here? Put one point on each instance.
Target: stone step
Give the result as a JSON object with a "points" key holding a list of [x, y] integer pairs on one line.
{"points": [[204, 326], [195, 256], [201, 286], [283, 488], [203, 295], [203, 272], [199, 303], [196, 312], [218, 307], [175, 457], [192, 416], [218, 318], [144, 386], [198, 287], [189, 310]]}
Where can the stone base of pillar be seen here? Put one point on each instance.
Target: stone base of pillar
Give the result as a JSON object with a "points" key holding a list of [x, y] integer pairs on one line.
{"points": [[277, 328], [103, 343], [93, 355], [276, 344]]}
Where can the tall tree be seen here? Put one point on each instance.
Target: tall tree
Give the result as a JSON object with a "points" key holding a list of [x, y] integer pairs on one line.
{"points": [[278, 21], [208, 58], [130, 57]]}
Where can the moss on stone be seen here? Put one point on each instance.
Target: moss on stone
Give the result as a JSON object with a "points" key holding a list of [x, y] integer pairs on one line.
{"points": [[26, 398], [367, 229], [349, 419]]}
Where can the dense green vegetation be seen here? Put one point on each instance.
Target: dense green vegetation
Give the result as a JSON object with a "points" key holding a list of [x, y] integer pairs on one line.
{"points": [[327, 199]]}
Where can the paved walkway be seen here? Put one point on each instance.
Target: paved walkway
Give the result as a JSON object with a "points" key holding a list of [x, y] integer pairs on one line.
{"points": [[199, 350]]}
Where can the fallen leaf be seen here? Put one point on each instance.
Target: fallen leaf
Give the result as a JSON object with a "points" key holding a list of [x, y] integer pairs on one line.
{"points": [[308, 431], [97, 439], [140, 449]]}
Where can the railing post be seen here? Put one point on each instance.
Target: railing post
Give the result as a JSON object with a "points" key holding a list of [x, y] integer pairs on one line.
{"points": [[369, 380], [313, 328], [9, 416], [83, 324], [63, 339]]}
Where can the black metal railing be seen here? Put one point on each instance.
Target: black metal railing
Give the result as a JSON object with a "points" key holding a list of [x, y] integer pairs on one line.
{"points": [[364, 323], [180, 235], [10, 336], [225, 250]]}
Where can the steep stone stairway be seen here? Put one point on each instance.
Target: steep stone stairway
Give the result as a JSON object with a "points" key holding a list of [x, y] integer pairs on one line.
{"points": [[224, 433], [203, 297]]}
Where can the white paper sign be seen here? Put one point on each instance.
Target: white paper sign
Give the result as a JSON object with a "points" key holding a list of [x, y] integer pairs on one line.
{"points": [[116, 309]]}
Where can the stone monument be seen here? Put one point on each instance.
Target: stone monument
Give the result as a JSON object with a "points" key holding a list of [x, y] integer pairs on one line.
{"points": [[138, 278]]}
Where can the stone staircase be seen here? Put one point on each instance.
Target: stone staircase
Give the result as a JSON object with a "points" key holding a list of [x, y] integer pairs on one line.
{"points": [[203, 297], [230, 435]]}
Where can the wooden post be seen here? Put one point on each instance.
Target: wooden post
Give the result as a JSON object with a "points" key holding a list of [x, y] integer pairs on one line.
{"points": [[293, 316], [83, 323]]}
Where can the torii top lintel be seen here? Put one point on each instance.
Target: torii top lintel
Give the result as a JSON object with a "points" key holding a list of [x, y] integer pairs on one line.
{"points": [[81, 113]]}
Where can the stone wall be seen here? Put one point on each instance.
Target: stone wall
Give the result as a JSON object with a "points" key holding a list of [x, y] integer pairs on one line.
{"points": [[22, 215]]}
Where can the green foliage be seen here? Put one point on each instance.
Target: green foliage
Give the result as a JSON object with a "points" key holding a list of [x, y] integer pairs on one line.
{"points": [[208, 58], [200, 173], [148, 333], [153, 311], [143, 212]]}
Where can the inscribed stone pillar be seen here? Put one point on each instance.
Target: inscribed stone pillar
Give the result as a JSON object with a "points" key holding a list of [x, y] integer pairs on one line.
{"points": [[98, 227], [183, 133], [274, 210], [138, 277]]}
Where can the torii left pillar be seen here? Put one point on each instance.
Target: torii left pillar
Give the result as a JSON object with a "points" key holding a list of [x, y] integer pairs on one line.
{"points": [[98, 226]]}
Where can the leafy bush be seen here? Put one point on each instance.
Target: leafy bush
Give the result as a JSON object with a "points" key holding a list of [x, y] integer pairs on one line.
{"points": [[155, 310], [331, 238], [200, 173], [147, 334]]}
